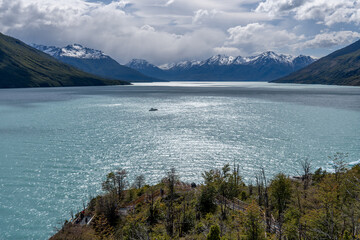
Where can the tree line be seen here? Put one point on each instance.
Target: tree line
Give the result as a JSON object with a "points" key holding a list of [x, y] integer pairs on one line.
{"points": [[315, 205]]}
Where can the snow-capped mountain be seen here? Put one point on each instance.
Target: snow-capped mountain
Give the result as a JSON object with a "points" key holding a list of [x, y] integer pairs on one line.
{"points": [[223, 60], [139, 64], [219, 60], [74, 51], [145, 67], [93, 61], [263, 67], [266, 66]]}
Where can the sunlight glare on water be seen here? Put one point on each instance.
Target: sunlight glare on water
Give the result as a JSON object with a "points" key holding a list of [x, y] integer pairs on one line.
{"points": [[57, 145]]}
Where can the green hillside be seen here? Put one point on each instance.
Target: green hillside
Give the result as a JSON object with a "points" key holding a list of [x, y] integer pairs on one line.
{"points": [[24, 66], [339, 68]]}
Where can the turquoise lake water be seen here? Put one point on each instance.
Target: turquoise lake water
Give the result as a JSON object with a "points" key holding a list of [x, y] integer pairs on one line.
{"points": [[57, 144]]}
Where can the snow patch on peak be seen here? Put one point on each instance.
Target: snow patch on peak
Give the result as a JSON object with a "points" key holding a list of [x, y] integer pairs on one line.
{"points": [[220, 60], [180, 65], [187, 64], [51, 50], [139, 64], [78, 51], [166, 66], [271, 56], [74, 51], [224, 60], [239, 60]]}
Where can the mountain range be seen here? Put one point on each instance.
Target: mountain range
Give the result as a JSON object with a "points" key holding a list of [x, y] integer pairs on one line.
{"points": [[24, 66], [341, 67], [94, 62], [263, 67]]}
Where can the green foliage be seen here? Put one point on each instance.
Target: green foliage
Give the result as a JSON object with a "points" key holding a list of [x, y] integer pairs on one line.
{"points": [[102, 227], [253, 223], [154, 214], [106, 206], [318, 175], [207, 199], [280, 192], [347, 235], [292, 222], [214, 233], [73, 232], [92, 204], [109, 185], [223, 183], [134, 231], [187, 222], [243, 196], [199, 228], [130, 195], [330, 209]]}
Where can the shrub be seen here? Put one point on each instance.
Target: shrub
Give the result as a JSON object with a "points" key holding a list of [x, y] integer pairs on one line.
{"points": [[214, 233]]}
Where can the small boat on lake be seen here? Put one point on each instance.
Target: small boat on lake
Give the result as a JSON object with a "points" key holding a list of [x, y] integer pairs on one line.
{"points": [[153, 109]]}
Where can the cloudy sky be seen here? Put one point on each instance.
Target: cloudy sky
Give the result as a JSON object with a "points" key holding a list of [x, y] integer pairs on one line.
{"points": [[163, 31]]}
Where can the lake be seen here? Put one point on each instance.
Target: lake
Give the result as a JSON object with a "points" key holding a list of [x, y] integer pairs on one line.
{"points": [[58, 144]]}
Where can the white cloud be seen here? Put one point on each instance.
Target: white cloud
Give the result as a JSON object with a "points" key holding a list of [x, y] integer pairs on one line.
{"points": [[148, 28], [330, 39], [169, 2], [202, 13], [107, 27], [328, 12], [274, 7], [162, 47], [257, 37], [229, 51], [171, 30]]}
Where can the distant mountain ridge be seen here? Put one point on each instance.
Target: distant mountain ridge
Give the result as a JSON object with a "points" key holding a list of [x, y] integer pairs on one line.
{"points": [[74, 50], [94, 61], [23, 66], [263, 67], [341, 67]]}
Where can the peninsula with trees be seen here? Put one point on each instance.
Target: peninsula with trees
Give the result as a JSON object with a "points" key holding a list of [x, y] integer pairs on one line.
{"points": [[315, 205]]}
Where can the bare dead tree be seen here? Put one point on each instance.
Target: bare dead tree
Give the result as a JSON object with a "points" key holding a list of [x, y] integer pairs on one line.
{"points": [[266, 201], [152, 210], [351, 206], [251, 188], [339, 164], [72, 214], [306, 167], [121, 183], [259, 186], [171, 179], [139, 181]]}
